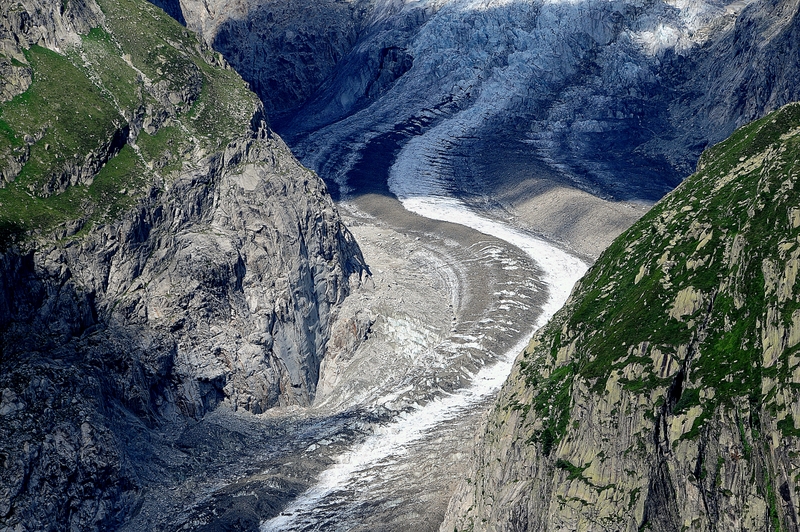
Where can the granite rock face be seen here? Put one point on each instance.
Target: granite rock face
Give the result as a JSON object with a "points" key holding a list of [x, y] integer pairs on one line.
{"points": [[192, 263], [285, 49], [664, 395]]}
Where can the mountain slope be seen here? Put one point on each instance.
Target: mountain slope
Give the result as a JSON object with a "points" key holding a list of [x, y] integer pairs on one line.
{"points": [[162, 254], [665, 395]]}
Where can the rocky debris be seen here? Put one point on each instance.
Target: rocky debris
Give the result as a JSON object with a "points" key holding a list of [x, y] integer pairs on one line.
{"points": [[199, 269], [233, 471], [663, 396], [436, 314], [15, 78]]}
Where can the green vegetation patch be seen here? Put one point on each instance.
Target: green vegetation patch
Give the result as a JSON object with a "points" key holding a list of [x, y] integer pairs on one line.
{"points": [[75, 121], [731, 317], [114, 189], [693, 279], [224, 108], [645, 384], [64, 142], [572, 470], [118, 79], [689, 398], [156, 44], [551, 403], [787, 427], [65, 111], [166, 149], [217, 104], [117, 186]]}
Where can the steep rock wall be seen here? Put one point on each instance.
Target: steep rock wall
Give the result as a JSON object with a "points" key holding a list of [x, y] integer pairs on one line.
{"points": [[285, 49], [664, 395], [194, 263]]}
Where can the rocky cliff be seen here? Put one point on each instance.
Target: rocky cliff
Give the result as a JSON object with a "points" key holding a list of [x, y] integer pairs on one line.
{"points": [[665, 395], [285, 49], [163, 254]]}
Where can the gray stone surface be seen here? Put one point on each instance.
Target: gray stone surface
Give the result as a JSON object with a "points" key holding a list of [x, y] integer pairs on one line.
{"points": [[286, 48], [217, 290]]}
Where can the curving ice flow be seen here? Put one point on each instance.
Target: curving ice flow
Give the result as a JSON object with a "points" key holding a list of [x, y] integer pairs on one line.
{"points": [[425, 195], [392, 440], [421, 190], [560, 269]]}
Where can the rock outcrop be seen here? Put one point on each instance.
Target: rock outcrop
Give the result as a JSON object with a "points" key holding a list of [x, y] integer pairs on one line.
{"points": [[163, 254], [664, 395]]}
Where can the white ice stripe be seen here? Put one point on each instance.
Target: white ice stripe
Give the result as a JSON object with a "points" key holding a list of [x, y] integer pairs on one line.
{"points": [[392, 440], [421, 191], [560, 269]]}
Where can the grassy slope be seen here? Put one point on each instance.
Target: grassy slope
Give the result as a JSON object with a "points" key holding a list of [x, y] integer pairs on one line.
{"points": [[80, 100], [715, 236]]}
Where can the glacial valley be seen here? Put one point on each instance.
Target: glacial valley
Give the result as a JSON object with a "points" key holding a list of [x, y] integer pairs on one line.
{"points": [[310, 306]]}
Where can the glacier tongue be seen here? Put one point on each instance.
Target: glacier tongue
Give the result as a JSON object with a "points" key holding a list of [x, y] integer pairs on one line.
{"points": [[323, 504]]}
